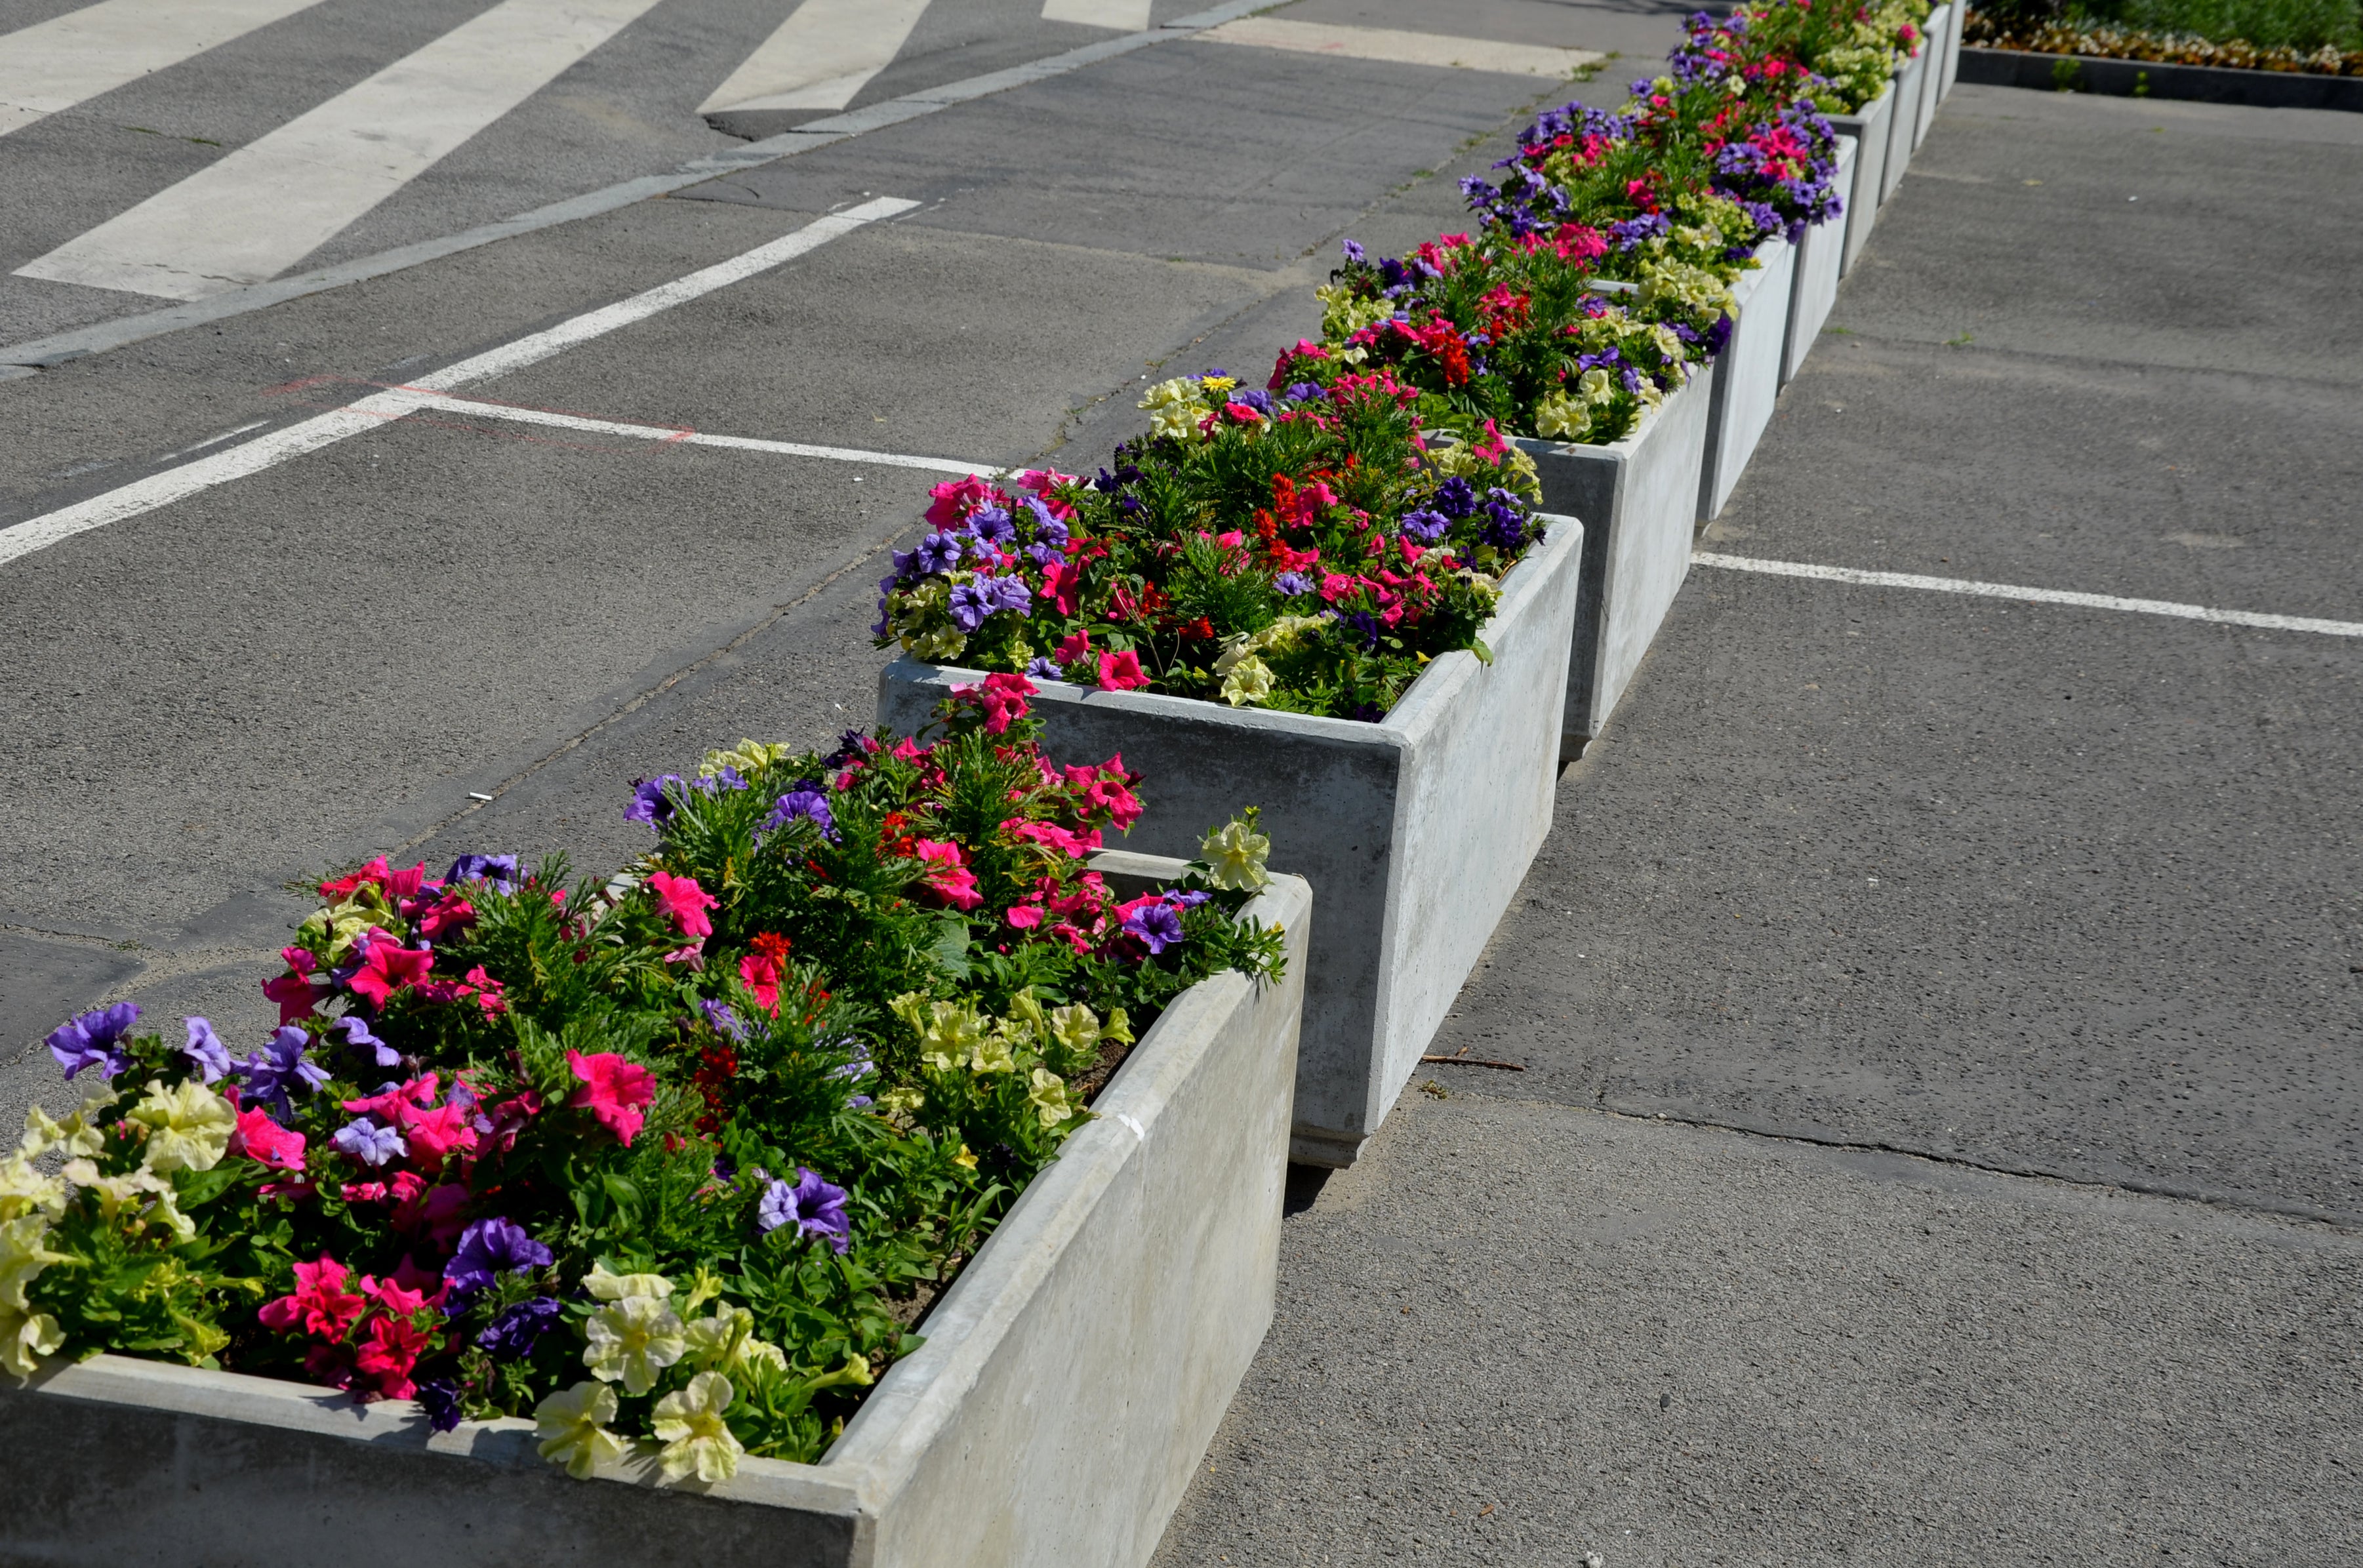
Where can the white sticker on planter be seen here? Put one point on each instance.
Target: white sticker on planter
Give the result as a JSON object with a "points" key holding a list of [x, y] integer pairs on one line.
{"points": [[1869, 127], [1904, 125], [1821, 255], [1414, 831], [1746, 373], [1072, 1376], [1932, 73], [1639, 498]]}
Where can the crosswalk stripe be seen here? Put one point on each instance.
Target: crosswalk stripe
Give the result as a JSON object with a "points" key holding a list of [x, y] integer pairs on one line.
{"points": [[374, 412], [1127, 15], [69, 60], [821, 56], [274, 201], [1402, 48]]}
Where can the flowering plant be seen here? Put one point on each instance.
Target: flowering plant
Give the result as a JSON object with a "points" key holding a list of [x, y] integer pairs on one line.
{"points": [[677, 1158], [1840, 56], [1307, 546]]}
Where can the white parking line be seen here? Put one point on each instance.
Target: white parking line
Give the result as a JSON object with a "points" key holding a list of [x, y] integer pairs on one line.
{"points": [[674, 435], [266, 207], [370, 411], [1402, 48], [821, 56], [69, 60], [2034, 596], [1124, 16]]}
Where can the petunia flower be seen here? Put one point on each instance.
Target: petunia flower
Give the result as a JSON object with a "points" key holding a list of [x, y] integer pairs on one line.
{"points": [[266, 1142], [815, 1207], [188, 1125], [369, 1141], [1234, 854], [504, 872], [1121, 671], [89, 1040], [388, 1352], [1154, 922], [615, 1091], [512, 1335], [387, 967], [697, 1441], [650, 803], [269, 1073], [205, 1049], [572, 1428], [320, 1306], [805, 803], [25, 1337], [632, 1342], [949, 877], [684, 902], [489, 1249]]}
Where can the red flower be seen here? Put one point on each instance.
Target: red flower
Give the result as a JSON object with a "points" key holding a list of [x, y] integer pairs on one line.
{"points": [[759, 973], [319, 1307], [686, 902], [1121, 671], [266, 1142], [615, 1091], [386, 1356]]}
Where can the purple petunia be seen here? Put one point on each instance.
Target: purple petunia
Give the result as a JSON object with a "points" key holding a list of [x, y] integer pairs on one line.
{"points": [[1253, 398], [440, 1397], [971, 603], [513, 1334], [357, 1037], [1456, 498], [940, 552], [489, 1249], [805, 803], [993, 525], [206, 1049], [1292, 583], [1158, 926], [369, 1142], [650, 803], [1043, 668], [722, 1018], [270, 1072], [1306, 392], [1008, 593], [1426, 527], [504, 872], [89, 1040], [815, 1208]]}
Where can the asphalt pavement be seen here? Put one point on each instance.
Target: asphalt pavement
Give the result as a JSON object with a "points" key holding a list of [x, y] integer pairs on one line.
{"points": [[1938, 1136]]}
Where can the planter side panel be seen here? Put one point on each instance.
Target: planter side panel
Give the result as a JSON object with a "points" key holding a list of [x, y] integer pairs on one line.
{"points": [[1933, 54], [1479, 783], [1329, 793], [1902, 125], [1075, 1439], [1748, 375], [1653, 477], [1820, 256], [1869, 128], [1952, 71], [120, 1485]]}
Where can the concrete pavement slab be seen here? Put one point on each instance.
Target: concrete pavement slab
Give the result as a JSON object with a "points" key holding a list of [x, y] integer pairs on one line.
{"points": [[1523, 1333]]}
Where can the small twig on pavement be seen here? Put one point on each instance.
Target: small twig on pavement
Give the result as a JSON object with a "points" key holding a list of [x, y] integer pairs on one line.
{"points": [[1474, 1061]]}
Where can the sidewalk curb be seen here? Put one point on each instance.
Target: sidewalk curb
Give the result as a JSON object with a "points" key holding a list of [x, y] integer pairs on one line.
{"points": [[2197, 84]]}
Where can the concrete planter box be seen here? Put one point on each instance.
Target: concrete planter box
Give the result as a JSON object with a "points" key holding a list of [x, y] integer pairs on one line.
{"points": [[1952, 71], [1933, 53], [1414, 831], [1821, 256], [1639, 499], [1904, 125], [1869, 127], [1072, 1377], [1746, 373]]}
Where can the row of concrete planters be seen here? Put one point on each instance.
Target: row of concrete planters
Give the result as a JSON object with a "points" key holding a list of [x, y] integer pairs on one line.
{"points": [[1934, 52], [1904, 125], [1072, 1379], [1748, 372], [1413, 831], [1870, 127], [1639, 500], [1821, 256]]}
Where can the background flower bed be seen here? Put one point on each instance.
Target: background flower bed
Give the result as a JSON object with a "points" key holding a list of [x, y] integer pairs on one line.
{"points": [[629, 1129], [2323, 36]]}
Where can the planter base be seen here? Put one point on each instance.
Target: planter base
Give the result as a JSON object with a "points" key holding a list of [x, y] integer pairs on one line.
{"points": [[1747, 374], [1821, 255]]}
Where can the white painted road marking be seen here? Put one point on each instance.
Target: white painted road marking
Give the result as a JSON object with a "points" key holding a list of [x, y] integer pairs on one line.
{"points": [[1402, 48], [674, 435], [1124, 16], [2035, 596], [374, 411], [821, 56], [69, 60], [274, 202]]}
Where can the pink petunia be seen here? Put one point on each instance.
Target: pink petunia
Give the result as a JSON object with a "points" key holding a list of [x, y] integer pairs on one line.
{"points": [[1121, 671], [441, 1212], [320, 1305], [1075, 647], [433, 1135], [955, 498], [388, 968], [1061, 580], [386, 1357], [1002, 699], [266, 1142], [615, 1091], [686, 902], [295, 993], [759, 973], [949, 876]]}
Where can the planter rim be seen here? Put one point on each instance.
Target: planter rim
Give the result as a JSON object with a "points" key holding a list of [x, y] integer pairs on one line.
{"points": [[888, 1436], [1419, 709]]}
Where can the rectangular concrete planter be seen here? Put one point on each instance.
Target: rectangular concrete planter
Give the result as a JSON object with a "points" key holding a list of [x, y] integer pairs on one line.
{"points": [[1821, 256], [1904, 125], [1072, 1376], [1639, 500], [1869, 127], [1935, 52], [1746, 373], [1413, 831], [1952, 71]]}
